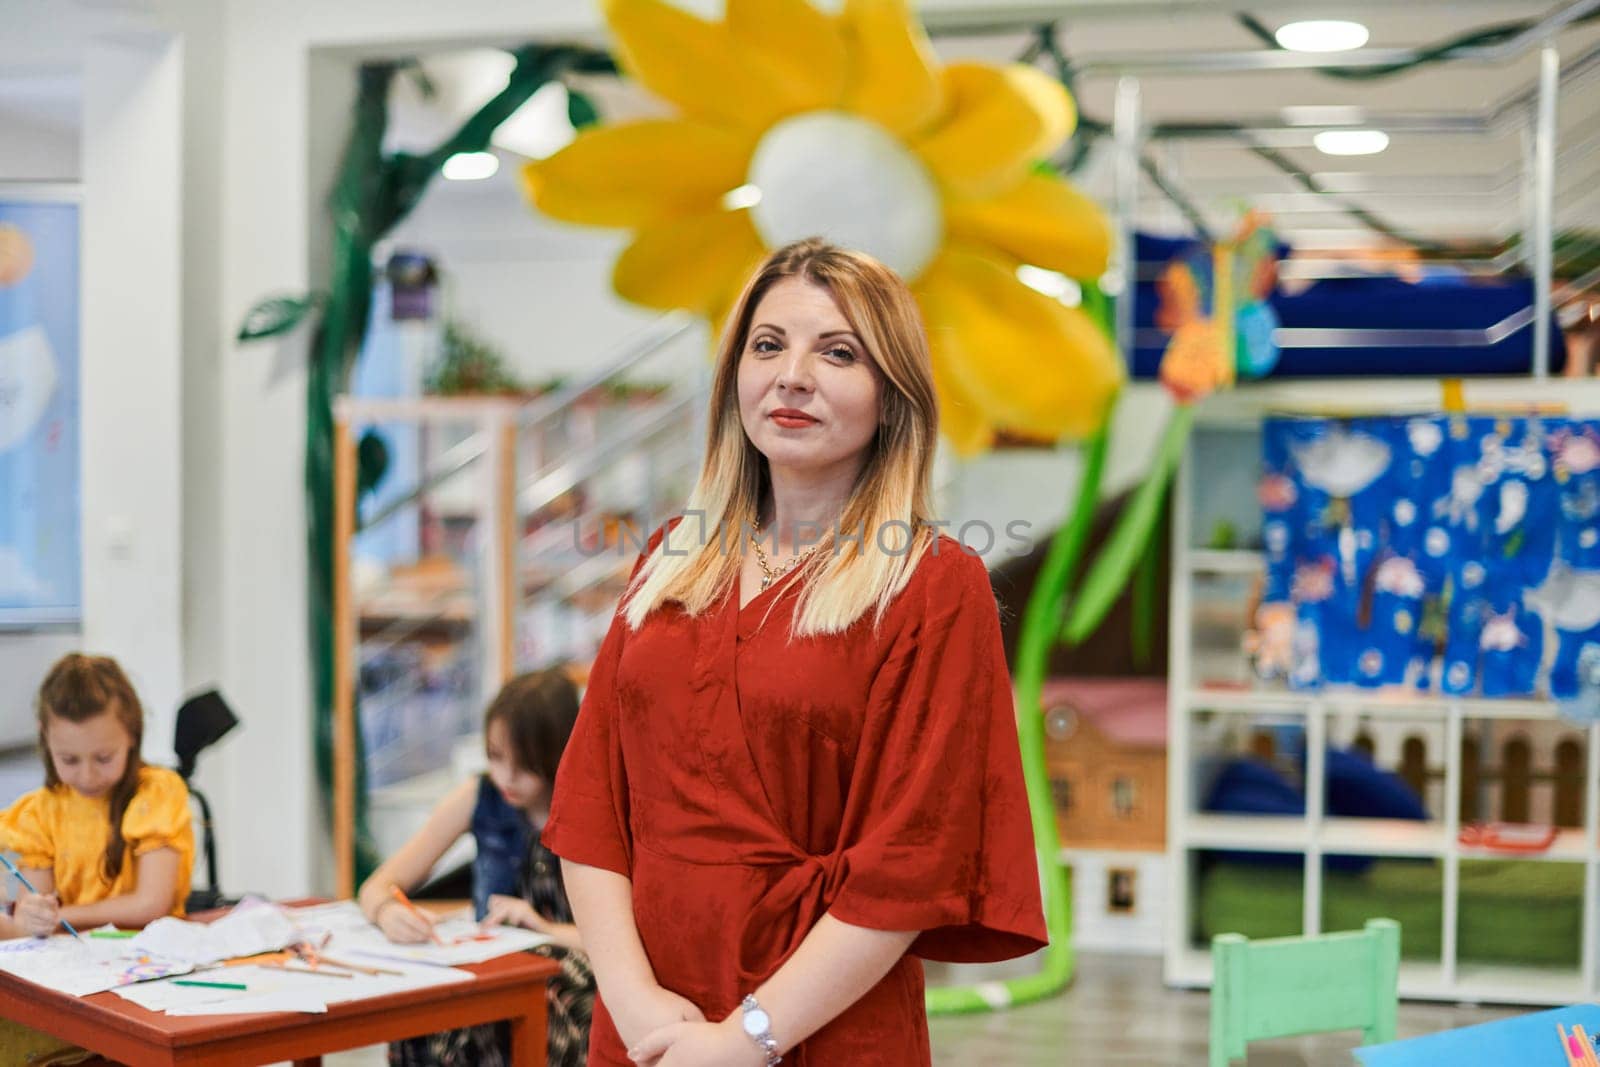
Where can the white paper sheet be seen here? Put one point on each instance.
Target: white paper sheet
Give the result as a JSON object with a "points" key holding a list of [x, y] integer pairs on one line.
{"points": [[268, 989], [306, 1003], [253, 926], [462, 941], [80, 967]]}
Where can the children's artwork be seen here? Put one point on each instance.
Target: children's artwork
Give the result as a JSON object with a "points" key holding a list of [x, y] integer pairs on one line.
{"points": [[460, 940], [79, 967], [1451, 552], [1214, 304]]}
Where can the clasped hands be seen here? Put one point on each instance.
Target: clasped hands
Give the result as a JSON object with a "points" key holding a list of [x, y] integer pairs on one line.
{"points": [[663, 1029]]}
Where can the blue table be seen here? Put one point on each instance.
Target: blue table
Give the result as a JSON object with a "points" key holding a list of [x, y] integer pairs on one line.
{"points": [[1526, 1040]]}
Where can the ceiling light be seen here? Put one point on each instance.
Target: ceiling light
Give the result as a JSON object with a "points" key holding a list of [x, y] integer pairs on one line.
{"points": [[471, 166], [1321, 35], [1351, 142]]}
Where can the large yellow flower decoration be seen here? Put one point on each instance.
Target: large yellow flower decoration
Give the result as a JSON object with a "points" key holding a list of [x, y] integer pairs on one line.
{"points": [[793, 122]]}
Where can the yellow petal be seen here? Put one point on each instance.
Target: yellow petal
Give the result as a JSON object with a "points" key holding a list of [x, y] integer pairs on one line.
{"points": [[893, 74], [635, 172], [961, 417], [801, 51], [999, 121], [1032, 363], [698, 262], [694, 64], [1044, 221]]}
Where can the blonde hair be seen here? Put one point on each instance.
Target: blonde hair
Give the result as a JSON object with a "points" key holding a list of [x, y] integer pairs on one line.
{"points": [[885, 524]]}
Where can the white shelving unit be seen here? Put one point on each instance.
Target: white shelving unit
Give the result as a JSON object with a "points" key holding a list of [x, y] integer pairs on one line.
{"points": [[1314, 835]]}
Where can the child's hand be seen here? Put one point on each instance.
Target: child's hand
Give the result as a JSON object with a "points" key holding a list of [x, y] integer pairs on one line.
{"points": [[403, 925], [514, 911], [37, 913]]}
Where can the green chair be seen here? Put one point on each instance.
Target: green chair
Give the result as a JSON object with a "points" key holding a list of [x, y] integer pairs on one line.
{"points": [[1284, 986]]}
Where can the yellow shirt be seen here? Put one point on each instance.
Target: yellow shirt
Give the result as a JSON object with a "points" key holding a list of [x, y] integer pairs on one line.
{"points": [[60, 830]]}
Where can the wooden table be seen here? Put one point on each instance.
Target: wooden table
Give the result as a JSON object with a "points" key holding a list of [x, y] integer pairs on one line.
{"points": [[509, 988]]}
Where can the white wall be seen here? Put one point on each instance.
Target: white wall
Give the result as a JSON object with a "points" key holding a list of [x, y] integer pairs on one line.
{"points": [[132, 369], [35, 151], [24, 658]]}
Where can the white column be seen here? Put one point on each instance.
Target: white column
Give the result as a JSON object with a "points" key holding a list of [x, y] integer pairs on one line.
{"points": [[132, 368]]}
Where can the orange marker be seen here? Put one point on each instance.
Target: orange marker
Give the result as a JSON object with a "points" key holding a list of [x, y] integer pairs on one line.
{"points": [[405, 902]]}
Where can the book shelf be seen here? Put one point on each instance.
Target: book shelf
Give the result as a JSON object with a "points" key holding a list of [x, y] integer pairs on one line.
{"points": [[1214, 702]]}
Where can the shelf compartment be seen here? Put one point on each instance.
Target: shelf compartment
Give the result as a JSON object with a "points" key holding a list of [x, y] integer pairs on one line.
{"points": [[1520, 914], [1370, 701], [1570, 846], [1249, 833], [1382, 837]]}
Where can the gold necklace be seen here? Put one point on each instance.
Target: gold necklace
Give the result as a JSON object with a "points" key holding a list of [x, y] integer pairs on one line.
{"points": [[769, 573]]}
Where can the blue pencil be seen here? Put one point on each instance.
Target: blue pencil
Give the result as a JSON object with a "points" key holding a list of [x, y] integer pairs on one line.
{"points": [[12, 867]]}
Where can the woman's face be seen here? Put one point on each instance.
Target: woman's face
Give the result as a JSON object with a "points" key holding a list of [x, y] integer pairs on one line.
{"points": [[809, 394], [522, 788]]}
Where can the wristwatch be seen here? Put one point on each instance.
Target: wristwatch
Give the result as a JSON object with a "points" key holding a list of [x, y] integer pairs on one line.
{"points": [[758, 1024]]}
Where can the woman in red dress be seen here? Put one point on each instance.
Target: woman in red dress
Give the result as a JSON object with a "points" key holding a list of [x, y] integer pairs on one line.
{"points": [[795, 774]]}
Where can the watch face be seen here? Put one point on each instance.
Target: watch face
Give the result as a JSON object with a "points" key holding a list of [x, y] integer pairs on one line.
{"points": [[756, 1022]]}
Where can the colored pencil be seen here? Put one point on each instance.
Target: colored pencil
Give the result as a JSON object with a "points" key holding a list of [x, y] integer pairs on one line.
{"points": [[405, 902], [325, 972], [12, 867], [1589, 1057], [1574, 1046], [330, 961], [113, 935], [1567, 1046], [209, 985]]}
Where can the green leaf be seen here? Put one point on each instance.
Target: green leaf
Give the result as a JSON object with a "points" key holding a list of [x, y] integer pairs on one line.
{"points": [[277, 315], [1108, 576], [372, 462], [581, 111]]}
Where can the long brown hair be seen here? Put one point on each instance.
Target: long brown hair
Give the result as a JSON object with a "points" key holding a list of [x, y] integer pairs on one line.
{"points": [[77, 689], [893, 491], [538, 710]]}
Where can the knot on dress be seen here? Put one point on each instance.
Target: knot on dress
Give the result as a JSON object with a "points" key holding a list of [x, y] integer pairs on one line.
{"points": [[801, 894]]}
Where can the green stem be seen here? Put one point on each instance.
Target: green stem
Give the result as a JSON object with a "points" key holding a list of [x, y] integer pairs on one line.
{"points": [[1143, 616], [1034, 644], [1108, 576]]}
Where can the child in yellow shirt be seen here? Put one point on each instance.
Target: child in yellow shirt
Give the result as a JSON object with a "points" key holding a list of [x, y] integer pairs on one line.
{"points": [[107, 839]]}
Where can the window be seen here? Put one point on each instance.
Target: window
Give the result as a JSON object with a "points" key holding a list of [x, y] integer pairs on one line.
{"points": [[1120, 895], [1123, 797]]}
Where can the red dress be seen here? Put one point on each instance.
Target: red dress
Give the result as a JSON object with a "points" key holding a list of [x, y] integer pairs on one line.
{"points": [[749, 784]]}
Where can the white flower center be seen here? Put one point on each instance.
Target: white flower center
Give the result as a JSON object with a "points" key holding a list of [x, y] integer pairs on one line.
{"points": [[833, 175]]}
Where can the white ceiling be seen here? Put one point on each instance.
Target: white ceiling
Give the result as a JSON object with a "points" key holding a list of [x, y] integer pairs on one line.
{"points": [[1441, 186], [1448, 187]]}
